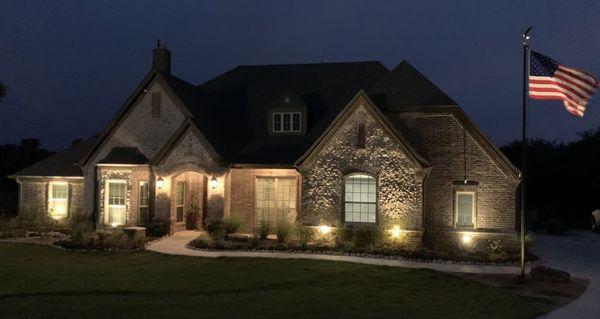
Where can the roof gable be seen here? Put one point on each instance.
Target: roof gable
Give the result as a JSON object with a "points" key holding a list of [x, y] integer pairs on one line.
{"points": [[405, 86], [64, 163], [124, 155], [361, 99], [152, 77], [187, 127]]}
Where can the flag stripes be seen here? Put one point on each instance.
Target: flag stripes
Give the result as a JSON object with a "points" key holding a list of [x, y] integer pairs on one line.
{"points": [[549, 80]]}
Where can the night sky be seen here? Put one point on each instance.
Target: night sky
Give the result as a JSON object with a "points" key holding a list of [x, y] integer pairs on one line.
{"points": [[70, 65]]}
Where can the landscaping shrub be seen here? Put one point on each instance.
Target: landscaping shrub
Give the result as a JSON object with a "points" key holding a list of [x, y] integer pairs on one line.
{"points": [[284, 230], [305, 235], [216, 230], [79, 226], [157, 228], [191, 216], [343, 235], [497, 252], [547, 274], [231, 225], [263, 229], [102, 240], [365, 236]]}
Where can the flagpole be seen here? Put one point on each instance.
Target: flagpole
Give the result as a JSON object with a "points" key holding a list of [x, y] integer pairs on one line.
{"points": [[524, 142]]}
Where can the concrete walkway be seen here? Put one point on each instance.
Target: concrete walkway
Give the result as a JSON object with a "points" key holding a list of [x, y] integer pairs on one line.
{"points": [[577, 252], [175, 245]]}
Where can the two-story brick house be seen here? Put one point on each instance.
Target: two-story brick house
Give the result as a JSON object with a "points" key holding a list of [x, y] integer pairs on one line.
{"points": [[323, 143]]}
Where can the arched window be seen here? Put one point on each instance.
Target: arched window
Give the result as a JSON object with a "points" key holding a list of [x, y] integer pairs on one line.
{"points": [[360, 198]]}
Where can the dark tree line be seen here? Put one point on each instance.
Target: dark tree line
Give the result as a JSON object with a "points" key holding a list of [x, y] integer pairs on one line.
{"points": [[563, 180]]}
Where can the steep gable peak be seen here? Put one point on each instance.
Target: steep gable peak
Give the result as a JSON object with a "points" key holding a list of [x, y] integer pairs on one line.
{"points": [[404, 87]]}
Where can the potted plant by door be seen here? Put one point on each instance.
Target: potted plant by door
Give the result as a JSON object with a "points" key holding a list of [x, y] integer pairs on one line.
{"points": [[191, 216]]}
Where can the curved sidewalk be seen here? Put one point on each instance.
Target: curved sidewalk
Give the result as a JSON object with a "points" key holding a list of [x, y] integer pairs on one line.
{"points": [[175, 245]]}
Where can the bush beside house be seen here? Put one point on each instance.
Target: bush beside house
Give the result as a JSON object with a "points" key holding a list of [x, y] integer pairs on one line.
{"points": [[353, 240]]}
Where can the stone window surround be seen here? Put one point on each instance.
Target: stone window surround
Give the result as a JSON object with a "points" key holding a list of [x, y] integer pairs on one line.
{"points": [[103, 178], [464, 186]]}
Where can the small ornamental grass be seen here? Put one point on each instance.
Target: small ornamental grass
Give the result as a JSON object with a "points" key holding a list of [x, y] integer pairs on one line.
{"points": [[284, 230], [112, 240]]}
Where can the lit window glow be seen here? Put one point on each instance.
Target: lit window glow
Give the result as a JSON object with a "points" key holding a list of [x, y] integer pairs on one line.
{"points": [[115, 202], [360, 198], [276, 198], [58, 200]]}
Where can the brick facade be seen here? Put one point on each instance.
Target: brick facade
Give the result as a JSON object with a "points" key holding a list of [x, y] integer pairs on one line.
{"points": [[441, 138], [419, 197], [242, 196], [33, 200]]}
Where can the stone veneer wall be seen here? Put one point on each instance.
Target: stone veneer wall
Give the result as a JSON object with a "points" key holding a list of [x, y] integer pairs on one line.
{"points": [[133, 175], [242, 195], [190, 155], [138, 129], [399, 180], [34, 198], [439, 137]]}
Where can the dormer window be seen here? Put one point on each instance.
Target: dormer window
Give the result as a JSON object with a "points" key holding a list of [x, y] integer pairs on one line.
{"points": [[286, 122]]}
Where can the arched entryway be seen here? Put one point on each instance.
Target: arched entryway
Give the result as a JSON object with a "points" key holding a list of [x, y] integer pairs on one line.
{"points": [[188, 196]]}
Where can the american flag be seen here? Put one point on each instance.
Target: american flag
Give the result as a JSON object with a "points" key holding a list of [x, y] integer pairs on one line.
{"points": [[550, 80]]}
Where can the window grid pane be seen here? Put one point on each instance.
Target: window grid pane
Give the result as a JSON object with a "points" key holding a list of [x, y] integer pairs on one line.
{"points": [[287, 122], [60, 191], [116, 202], [275, 198], [464, 206], [144, 194], [181, 189], [360, 198], [276, 122], [58, 205], [296, 122]]}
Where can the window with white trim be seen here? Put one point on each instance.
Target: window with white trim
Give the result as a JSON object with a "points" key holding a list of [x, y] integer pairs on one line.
{"points": [[116, 191], [360, 198], [143, 204], [285, 122], [465, 208], [180, 206], [58, 200], [275, 198]]}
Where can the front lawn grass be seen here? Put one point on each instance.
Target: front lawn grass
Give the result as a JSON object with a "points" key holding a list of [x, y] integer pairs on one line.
{"points": [[44, 282]]}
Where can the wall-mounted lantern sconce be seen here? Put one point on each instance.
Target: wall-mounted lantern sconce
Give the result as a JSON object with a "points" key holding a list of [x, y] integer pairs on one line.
{"points": [[160, 183], [214, 183]]}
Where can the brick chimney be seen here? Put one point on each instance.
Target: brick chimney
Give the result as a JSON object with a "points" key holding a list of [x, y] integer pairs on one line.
{"points": [[161, 58]]}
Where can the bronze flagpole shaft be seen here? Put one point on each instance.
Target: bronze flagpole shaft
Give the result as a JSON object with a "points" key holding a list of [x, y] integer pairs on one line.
{"points": [[524, 142]]}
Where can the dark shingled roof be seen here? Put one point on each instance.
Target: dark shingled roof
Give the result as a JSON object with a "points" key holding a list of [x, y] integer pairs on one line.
{"points": [[61, 164], [124, 155], [231, 109], [405, 86], [242, 96]]}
